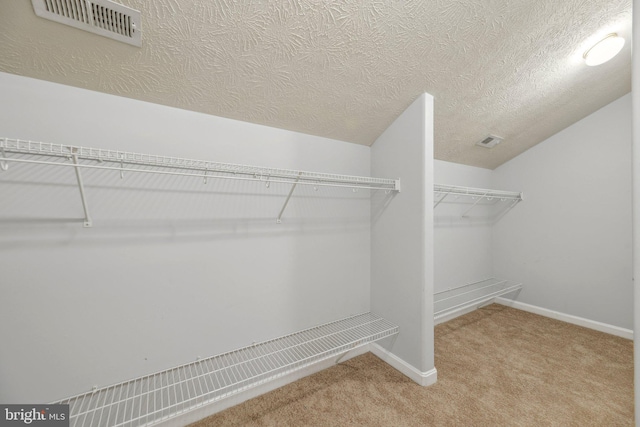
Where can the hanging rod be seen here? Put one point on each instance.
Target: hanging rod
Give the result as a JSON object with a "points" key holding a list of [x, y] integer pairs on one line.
{"points": [[231, 171]]}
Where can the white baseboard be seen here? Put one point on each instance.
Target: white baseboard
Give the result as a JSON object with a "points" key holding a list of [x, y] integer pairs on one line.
{"points": [[580, 321], [423, 378], [215, 407]]}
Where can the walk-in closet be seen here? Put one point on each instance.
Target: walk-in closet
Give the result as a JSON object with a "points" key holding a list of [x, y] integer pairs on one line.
{"points": [[303, 213]]}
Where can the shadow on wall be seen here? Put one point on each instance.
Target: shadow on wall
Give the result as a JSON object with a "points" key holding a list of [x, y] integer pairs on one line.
{"points": [[18, 232], [469, 213], [44, 207]]}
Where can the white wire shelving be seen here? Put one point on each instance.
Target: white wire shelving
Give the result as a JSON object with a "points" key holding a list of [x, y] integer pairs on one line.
{"points": [[164, 395], [442, 192], [472, 295], [128, 162]]}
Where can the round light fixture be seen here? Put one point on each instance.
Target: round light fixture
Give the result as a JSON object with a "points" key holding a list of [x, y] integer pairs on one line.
{"points": [[604, 50]]}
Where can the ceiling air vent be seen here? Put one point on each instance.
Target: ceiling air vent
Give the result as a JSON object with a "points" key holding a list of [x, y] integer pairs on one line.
{"points": [[490, 141], [102, 17]]}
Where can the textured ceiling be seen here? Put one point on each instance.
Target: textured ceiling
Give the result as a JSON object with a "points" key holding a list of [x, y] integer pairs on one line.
{"points": [[346, 70]]}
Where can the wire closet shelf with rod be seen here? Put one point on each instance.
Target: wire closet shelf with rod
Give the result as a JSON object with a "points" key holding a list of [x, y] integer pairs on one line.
{"points": [[174, 392], [458, 300], [122, 162], [476, 196]]}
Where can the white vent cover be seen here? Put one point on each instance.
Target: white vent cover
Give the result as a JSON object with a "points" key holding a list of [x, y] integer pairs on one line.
{"points": [[102, 17], [490, 141]]}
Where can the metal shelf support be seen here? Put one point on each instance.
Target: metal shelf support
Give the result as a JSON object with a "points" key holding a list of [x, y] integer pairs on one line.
{"points": [[286, 202], [474, 205], [85, 205], [3, 164]]}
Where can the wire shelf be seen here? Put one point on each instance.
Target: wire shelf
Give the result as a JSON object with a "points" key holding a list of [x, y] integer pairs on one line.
{"points": [[157, 397], [98, 158], [471, 295], [476, 192], [124, 162], [441, 192]]}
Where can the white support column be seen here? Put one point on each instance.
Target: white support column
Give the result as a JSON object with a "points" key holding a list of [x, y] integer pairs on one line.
{"points": [[402, 241]]}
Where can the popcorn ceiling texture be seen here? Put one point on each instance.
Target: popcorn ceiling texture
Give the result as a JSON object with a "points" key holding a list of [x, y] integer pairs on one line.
{"points": [[346, 70]]}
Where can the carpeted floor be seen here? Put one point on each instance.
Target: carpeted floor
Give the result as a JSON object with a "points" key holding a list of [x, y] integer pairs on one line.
{"points": [[497, 366]]}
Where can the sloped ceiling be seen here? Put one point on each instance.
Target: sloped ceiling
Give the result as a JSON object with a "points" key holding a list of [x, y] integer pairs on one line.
{"points": [[346, 70]]}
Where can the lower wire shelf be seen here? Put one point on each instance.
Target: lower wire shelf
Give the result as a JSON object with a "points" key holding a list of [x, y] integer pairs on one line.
{"points": [[158, 397], [455, 300]]}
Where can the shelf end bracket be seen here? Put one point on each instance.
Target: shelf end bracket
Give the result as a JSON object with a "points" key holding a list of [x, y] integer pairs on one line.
{"points": [[85, 206], [464, 215], [441, 199], [286, 202], [3, 163]]}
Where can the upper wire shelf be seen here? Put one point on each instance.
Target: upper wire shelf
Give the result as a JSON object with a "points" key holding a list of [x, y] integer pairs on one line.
{"points": [[441, 192], [232, 171], [125, 162]]}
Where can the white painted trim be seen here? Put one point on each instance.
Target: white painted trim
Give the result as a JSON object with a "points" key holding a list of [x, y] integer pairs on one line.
{"points": [[423, 378], [215, 407], [580, 321]]}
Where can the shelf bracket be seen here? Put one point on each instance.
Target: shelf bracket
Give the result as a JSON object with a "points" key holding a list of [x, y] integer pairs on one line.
{"points": [[286, 202], [511, 206], [339, 359], [3, 163], [85, 206], [474, 205], [441, 199]]}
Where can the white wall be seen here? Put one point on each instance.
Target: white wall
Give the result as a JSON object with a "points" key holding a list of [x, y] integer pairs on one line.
{"points": [[173, 269], [636, 203], [402, 235], [569, 241], [462, 246]]}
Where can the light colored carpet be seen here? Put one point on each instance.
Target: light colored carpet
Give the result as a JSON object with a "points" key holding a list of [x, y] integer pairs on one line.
{"points": [[497, 366]]}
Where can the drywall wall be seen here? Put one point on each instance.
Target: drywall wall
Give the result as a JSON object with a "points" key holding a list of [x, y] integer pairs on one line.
{"points": [[173, 268], [462, 245], [569, 241], [402, 236]]}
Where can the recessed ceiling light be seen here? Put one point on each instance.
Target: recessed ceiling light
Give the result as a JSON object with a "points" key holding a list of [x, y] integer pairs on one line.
{"points": [[604, 50]]}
